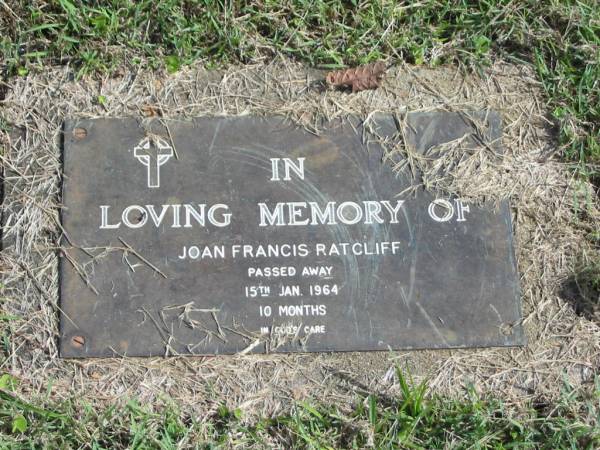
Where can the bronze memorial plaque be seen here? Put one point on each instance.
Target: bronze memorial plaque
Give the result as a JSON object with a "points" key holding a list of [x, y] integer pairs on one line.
{"points": [[220, 235]]}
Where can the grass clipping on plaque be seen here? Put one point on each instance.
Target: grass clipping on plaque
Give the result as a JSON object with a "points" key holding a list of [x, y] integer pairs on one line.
{"points": [[554, 214]]}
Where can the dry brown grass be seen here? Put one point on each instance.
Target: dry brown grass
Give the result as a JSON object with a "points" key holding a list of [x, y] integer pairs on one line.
{"points": [[552, 210]]}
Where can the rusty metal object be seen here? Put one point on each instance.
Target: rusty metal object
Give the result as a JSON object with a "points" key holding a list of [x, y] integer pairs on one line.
{"points": [[79, 133], [78, 341]]}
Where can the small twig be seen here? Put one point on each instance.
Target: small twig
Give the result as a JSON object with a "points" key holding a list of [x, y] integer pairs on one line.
{"points": [[136, 253], [81, 273], [156, 324], [251, 347], [170, 138]]}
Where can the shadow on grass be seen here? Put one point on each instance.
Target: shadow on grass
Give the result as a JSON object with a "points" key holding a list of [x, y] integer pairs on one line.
{"points": [[582, 291]]}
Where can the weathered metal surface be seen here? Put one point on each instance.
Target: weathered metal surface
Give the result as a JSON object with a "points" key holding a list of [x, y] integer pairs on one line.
{"points": [[144, 274]]}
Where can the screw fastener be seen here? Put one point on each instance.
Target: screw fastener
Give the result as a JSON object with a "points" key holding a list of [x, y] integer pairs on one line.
{"points": [[78, 341], [79, 133]]}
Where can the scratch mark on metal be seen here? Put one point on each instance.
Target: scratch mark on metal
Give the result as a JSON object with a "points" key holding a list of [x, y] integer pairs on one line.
{"points": [[433, 325], [214, 138]]}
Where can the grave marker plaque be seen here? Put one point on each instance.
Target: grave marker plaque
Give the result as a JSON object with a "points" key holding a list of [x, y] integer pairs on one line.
{"points": [[221, 235]]}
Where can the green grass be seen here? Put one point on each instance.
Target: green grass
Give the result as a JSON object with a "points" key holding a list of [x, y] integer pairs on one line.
{"points": [[560, 38], [413, 419]]}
